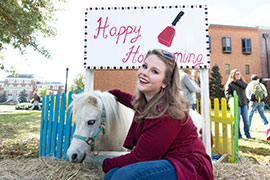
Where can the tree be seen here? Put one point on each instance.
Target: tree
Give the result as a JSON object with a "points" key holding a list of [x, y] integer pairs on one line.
{"points": [[78, 83], [23, 96], [43, 91], [3, 97], [22, 21], [216, 87]]}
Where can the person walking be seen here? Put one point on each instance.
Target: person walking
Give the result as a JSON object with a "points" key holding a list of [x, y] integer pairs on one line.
{"points": [[237, 83], [36, 101], [163, 139], [256, 94]]}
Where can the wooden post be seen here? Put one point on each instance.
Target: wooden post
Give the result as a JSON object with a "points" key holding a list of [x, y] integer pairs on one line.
{"points": [[89, 81], [205, 110]]}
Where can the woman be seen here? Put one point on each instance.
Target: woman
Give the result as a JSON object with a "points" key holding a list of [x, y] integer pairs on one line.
{"points": [[189, 87], [163, 139], [237, 83], [197, 79]]}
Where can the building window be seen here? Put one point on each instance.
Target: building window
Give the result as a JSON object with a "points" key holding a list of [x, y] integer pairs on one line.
{"points": [[226, 45], [11, 80], [247, 69], [227, 68], [246, 46]]}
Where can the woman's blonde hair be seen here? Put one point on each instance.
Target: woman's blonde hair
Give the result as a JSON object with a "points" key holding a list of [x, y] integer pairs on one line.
{"points": [[188, 72], [168, 99], [231, 77]]}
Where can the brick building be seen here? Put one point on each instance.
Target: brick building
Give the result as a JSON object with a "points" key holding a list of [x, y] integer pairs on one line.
{"points": [[264, 42], [235, 47], [13, 85], [2, 86], [111, 79]]}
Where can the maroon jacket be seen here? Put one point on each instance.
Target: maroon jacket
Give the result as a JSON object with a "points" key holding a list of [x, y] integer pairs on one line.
{"points": [[164, 138]]}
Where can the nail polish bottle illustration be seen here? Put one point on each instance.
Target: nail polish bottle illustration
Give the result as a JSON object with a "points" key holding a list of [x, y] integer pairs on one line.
{"points": [[167, 35]]}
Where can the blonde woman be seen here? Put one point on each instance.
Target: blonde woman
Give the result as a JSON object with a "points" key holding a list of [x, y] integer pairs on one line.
{"points": [[237, 83], [162, 136]]}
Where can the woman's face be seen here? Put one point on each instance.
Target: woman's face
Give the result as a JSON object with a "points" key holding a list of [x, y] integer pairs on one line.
{"points": [[150, 76], [237, 75]]}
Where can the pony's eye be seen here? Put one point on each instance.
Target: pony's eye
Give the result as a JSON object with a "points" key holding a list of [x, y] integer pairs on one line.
{"points": [[91, 122]]}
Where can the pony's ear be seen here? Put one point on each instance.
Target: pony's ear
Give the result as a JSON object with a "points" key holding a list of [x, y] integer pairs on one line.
{"points": [[74, 96], [92, 100]]}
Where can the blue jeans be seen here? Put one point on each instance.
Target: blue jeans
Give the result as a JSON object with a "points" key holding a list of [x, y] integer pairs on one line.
{"points": [[253, 106], [193, 107], [244, 113], [147, 170], [36, 103]]}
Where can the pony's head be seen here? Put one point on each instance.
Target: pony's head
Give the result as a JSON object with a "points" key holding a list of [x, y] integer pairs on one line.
{"points": [[93, 112]]}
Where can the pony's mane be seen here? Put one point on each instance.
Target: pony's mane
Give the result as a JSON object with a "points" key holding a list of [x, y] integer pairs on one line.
{"points": [[98, 100]]}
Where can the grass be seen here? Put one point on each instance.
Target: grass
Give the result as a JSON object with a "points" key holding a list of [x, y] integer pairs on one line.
{"points": [[20, 130], [19, 134], [258, 149]]}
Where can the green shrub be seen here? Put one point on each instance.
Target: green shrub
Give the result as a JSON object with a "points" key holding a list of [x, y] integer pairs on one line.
{"points": [[23, 106]]}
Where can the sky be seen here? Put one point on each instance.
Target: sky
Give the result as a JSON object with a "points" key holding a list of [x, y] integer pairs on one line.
{"points": [[67, 47]]}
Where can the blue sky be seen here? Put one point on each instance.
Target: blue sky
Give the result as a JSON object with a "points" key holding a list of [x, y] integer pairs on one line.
{"points": [[67, 46]]}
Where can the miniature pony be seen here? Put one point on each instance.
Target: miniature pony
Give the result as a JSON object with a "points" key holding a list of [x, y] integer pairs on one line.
{"points": [[101, 122]]}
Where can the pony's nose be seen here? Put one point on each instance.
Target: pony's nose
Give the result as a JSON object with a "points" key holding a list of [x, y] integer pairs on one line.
{"points": [[74, 157]]}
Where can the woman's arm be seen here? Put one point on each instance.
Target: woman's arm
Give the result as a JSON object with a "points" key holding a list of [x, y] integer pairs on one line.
{"points": [[228, 92], [122, 97], [189, 84], [241, 84]]}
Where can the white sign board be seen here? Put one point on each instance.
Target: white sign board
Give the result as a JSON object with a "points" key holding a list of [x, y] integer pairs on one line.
{"points": [[119, 37]]}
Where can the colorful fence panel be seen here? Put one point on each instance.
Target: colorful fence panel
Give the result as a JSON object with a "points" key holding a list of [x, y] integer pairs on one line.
{"points": [[56, 126], [224, 128]]}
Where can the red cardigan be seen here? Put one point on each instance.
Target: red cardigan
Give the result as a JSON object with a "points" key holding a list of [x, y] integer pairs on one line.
{"points": [[163, 138]]}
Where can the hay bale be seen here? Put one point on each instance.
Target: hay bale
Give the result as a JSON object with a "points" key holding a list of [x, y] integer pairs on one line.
{"points": [[246, 169], [46, 168], [50, 169]]}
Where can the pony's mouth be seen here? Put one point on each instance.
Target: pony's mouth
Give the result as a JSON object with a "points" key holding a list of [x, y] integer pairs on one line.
{"points": [[74, 158], [83, 158]]}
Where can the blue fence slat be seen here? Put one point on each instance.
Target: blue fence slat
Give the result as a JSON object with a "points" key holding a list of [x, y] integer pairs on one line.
{"points": [[42, 125], [44, 143], [49, 140], [67, 130], [73, 129], [55, 124], [61, 126]]}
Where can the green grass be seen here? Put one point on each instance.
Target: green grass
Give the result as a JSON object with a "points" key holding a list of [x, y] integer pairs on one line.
{"points": [[258, 149], [19, 134]]}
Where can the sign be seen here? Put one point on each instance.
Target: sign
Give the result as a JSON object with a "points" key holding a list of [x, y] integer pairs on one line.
{"points": [[120, 37]]}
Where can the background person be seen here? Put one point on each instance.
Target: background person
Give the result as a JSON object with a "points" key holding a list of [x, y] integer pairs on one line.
{"points": [[36, 101], [189, 87], [254, 89], [163, 138], [237, 83], [197, 78]]}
